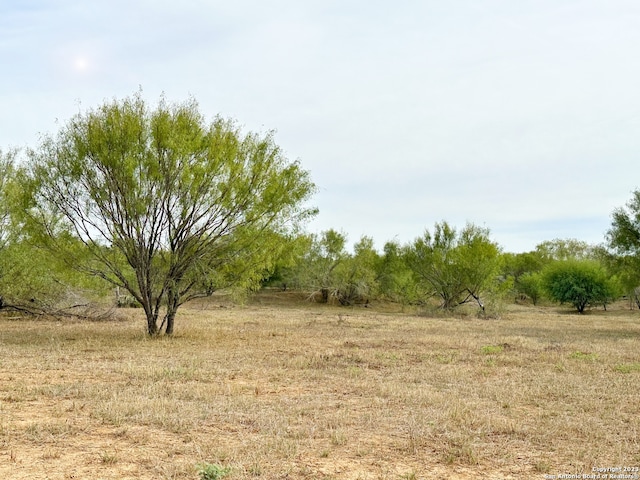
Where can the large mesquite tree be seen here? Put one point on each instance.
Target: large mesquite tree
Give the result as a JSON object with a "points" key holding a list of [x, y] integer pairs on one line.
{"points": [[165, 203]]}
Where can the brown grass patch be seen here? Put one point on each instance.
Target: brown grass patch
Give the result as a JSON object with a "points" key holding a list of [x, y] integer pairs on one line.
{"points": [[309, 391]]}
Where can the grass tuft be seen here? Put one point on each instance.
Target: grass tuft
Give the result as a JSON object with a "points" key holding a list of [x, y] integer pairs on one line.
{"points": [[492, 349], [590, 357], [628, 367]]}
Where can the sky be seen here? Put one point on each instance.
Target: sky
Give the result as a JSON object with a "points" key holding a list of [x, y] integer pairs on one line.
{"points": [[520, 116]]}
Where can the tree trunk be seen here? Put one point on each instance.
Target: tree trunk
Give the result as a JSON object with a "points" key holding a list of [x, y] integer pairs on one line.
{"points": [[152, 319], [170, 320], [447, 303], [173, 302], [325, 295], [477, 299], [152, 324]]}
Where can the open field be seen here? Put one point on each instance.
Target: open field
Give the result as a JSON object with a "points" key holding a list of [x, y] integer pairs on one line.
{"points": [[306, 391]]}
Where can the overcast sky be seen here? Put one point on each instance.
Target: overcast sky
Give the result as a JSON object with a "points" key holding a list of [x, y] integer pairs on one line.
{"points": [[521, 116]]}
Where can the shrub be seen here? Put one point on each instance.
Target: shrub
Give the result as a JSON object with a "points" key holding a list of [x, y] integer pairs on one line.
{"points": [[580, 283], [530, 284]]}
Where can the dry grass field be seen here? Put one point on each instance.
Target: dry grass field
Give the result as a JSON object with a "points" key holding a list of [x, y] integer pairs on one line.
{"points": [[302, 391]]}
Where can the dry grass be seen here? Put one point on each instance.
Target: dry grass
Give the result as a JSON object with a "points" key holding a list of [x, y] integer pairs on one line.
{"points": [[313, 392]]}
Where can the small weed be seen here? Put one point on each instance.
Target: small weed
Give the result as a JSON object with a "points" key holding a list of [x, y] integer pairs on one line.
{"points": [[492, 349], [255, 470], [338, 437], [584, 356], [447, 358], [410, 476], [211, 471], [628, 368], [109, 458], [490, 362], [461, 454]]}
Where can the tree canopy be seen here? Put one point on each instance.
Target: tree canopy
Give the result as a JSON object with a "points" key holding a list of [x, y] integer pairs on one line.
{"points": [[7, 171], [168, 205], [457, 267], [564, 249], [623, 240], [578, 282], [624, 234]]}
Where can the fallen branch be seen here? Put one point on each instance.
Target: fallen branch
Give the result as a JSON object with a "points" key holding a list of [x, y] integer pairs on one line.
{"points": [[64, 312]]}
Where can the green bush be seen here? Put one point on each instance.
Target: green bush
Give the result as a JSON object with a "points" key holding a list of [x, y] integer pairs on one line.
{"points": [[580, 283], [530, 284]]}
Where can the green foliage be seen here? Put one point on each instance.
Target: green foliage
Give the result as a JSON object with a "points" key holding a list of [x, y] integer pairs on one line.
{"points": [[32, 278], [627, 270], [316, 270], [624, 235], [564, 249], [578, 355], [522, 268], [167, 206], [457, 267], [209, 471], [6, 178], [284, 271], [328, 271], [495, 296], [395, 278], [530, 284], [624, 240], [356, 275], [578, 282], [27, 274], [492, 349], [628, 367], [517, 264]]}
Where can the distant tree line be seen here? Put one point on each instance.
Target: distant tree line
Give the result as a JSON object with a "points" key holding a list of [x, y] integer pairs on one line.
{"points": [[450, 268], [165, 207]]}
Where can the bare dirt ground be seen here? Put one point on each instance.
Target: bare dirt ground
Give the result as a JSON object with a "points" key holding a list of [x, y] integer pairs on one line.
{"points": [[296, 390]]}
